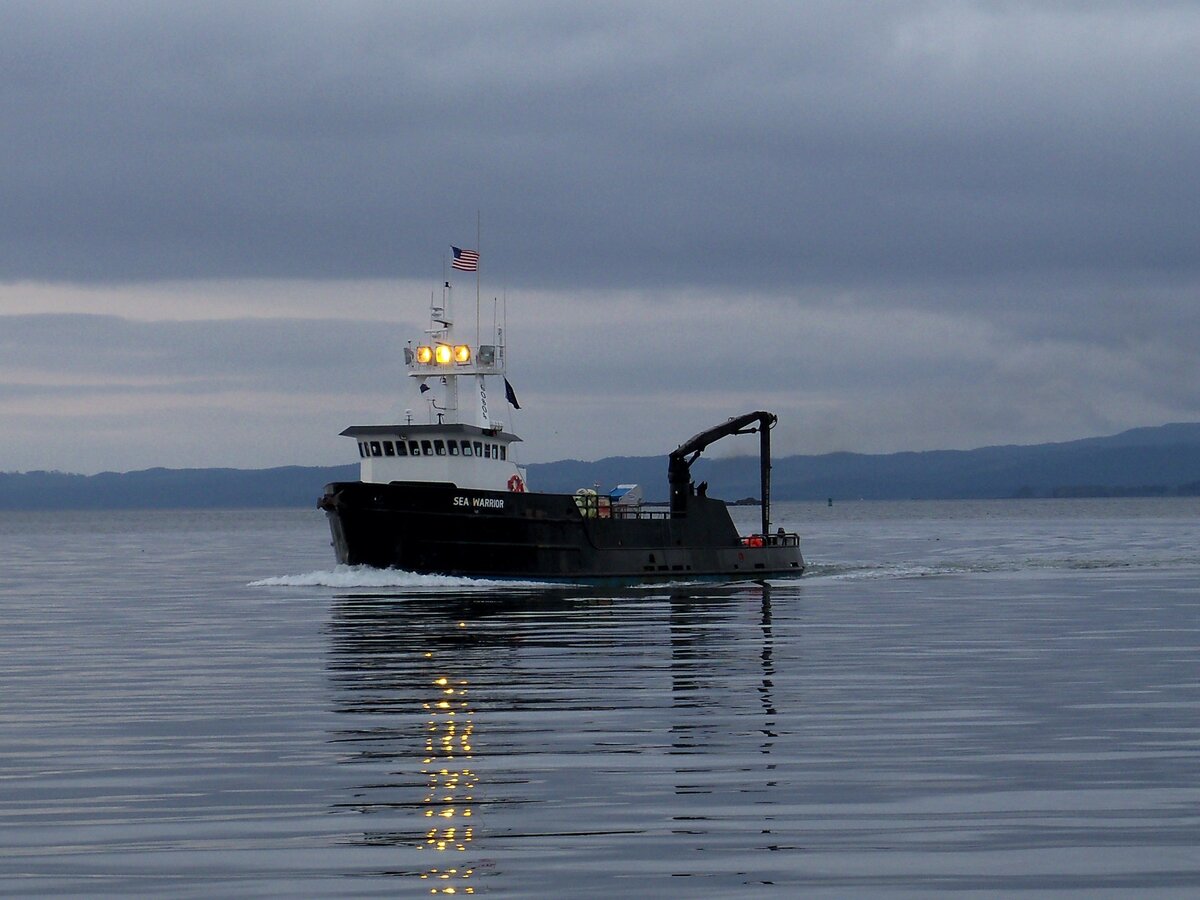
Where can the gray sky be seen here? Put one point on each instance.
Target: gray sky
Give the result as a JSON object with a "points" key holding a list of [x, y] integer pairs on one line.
{"points": [[897, 225]]}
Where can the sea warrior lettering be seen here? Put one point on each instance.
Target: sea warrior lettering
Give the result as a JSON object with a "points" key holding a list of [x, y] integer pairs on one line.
{"points": [[480, 502]]}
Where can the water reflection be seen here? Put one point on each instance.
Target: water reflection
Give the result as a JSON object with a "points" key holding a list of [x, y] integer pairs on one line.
{"points": [[462, 698], [451, 781]]}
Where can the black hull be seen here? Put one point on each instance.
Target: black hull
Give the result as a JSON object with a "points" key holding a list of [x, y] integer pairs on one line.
{"points": [[442, 529]]}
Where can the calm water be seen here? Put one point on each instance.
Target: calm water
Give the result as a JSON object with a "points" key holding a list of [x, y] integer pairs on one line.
{"points": [[1000, 698]]}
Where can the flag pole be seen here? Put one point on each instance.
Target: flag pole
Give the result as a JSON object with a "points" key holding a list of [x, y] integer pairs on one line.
{"points": [[478, 249]]}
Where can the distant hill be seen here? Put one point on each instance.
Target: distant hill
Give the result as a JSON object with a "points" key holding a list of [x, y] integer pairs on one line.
{"points": [[170, 488], [1158, 461], [1146, 461]]}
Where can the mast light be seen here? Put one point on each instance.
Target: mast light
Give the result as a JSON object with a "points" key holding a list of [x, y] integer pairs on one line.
{"points": [[442, 354]]}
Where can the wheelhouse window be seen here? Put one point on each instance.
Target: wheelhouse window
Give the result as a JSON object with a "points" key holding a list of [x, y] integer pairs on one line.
{"points": [[389, 449], [466, 447], [439, 447], [487, 451], [427, 448], [414, 449], [376, 450], [452, 446], [401, 448], [479, 448], [503, 452], [362, 449]]}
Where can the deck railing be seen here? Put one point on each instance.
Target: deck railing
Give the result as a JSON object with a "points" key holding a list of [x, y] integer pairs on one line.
{"points": [[779, 538], [602, 506]]}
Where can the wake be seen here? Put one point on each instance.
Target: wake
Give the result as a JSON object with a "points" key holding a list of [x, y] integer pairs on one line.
{"points": [[348, 577]]}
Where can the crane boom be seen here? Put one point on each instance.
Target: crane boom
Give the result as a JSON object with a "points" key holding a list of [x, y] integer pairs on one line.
{"points": [[680, 461]]}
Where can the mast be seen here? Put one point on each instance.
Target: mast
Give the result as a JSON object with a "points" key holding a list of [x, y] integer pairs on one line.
{"points": [[445, 357], [479, 250]]}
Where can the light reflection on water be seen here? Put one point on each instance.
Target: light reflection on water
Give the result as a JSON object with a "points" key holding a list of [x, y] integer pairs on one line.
{"points": [[544, 710], [929, 714]]}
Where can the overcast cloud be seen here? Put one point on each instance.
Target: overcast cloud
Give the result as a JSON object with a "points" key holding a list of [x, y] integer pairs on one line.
{"points": [[900, 226]]}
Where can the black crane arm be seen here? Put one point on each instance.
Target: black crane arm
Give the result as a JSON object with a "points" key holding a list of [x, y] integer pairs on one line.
{"points": [[737, 425], [680, 461]]}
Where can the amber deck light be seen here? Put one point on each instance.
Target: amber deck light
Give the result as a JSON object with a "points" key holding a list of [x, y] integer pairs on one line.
{"points": [[442, 353], [462, 354], [425, 355]]}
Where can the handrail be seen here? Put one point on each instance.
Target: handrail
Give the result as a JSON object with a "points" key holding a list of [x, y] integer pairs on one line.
{"points": [[603, 506]]}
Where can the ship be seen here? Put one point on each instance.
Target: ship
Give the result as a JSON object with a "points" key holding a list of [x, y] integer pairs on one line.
{"points": [[448, 496]]}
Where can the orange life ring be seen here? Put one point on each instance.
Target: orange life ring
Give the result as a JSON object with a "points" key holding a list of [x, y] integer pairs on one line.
{"points": [[516, 485]]}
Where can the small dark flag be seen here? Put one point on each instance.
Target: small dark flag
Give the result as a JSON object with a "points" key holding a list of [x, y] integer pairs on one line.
{"points": [[424, 387], [510, 395], [465, 260]]}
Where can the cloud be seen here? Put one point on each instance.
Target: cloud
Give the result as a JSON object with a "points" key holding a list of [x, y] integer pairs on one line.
{"points": [[900, 226], [599, 374], [609, 146]]}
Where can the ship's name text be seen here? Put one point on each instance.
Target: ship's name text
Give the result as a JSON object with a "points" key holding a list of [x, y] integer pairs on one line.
{"points": [[480, 502]]}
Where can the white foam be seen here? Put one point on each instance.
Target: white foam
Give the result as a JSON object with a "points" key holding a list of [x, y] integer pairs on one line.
{"points": [[867, 573], [368, 577]]}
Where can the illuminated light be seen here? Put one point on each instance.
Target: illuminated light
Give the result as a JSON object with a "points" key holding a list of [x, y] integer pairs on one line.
{"points": [[425, 355], [441, 681], [462, 354], [443, 354]]}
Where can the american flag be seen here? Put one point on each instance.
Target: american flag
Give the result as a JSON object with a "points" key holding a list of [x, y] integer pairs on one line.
{"points": [[465, 260]]}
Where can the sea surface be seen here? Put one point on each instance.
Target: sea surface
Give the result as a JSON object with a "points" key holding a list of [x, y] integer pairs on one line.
{"points": [[969, 698]]}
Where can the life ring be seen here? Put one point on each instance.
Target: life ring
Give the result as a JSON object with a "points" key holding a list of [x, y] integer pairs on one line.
{"points": [[516, 485]]}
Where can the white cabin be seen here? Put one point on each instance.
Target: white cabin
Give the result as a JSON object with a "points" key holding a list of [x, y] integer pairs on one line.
{"points": [[465, 455], [464, 443]]}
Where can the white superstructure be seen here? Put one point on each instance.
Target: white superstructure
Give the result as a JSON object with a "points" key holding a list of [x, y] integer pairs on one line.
{"points": [[464, 442]]}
